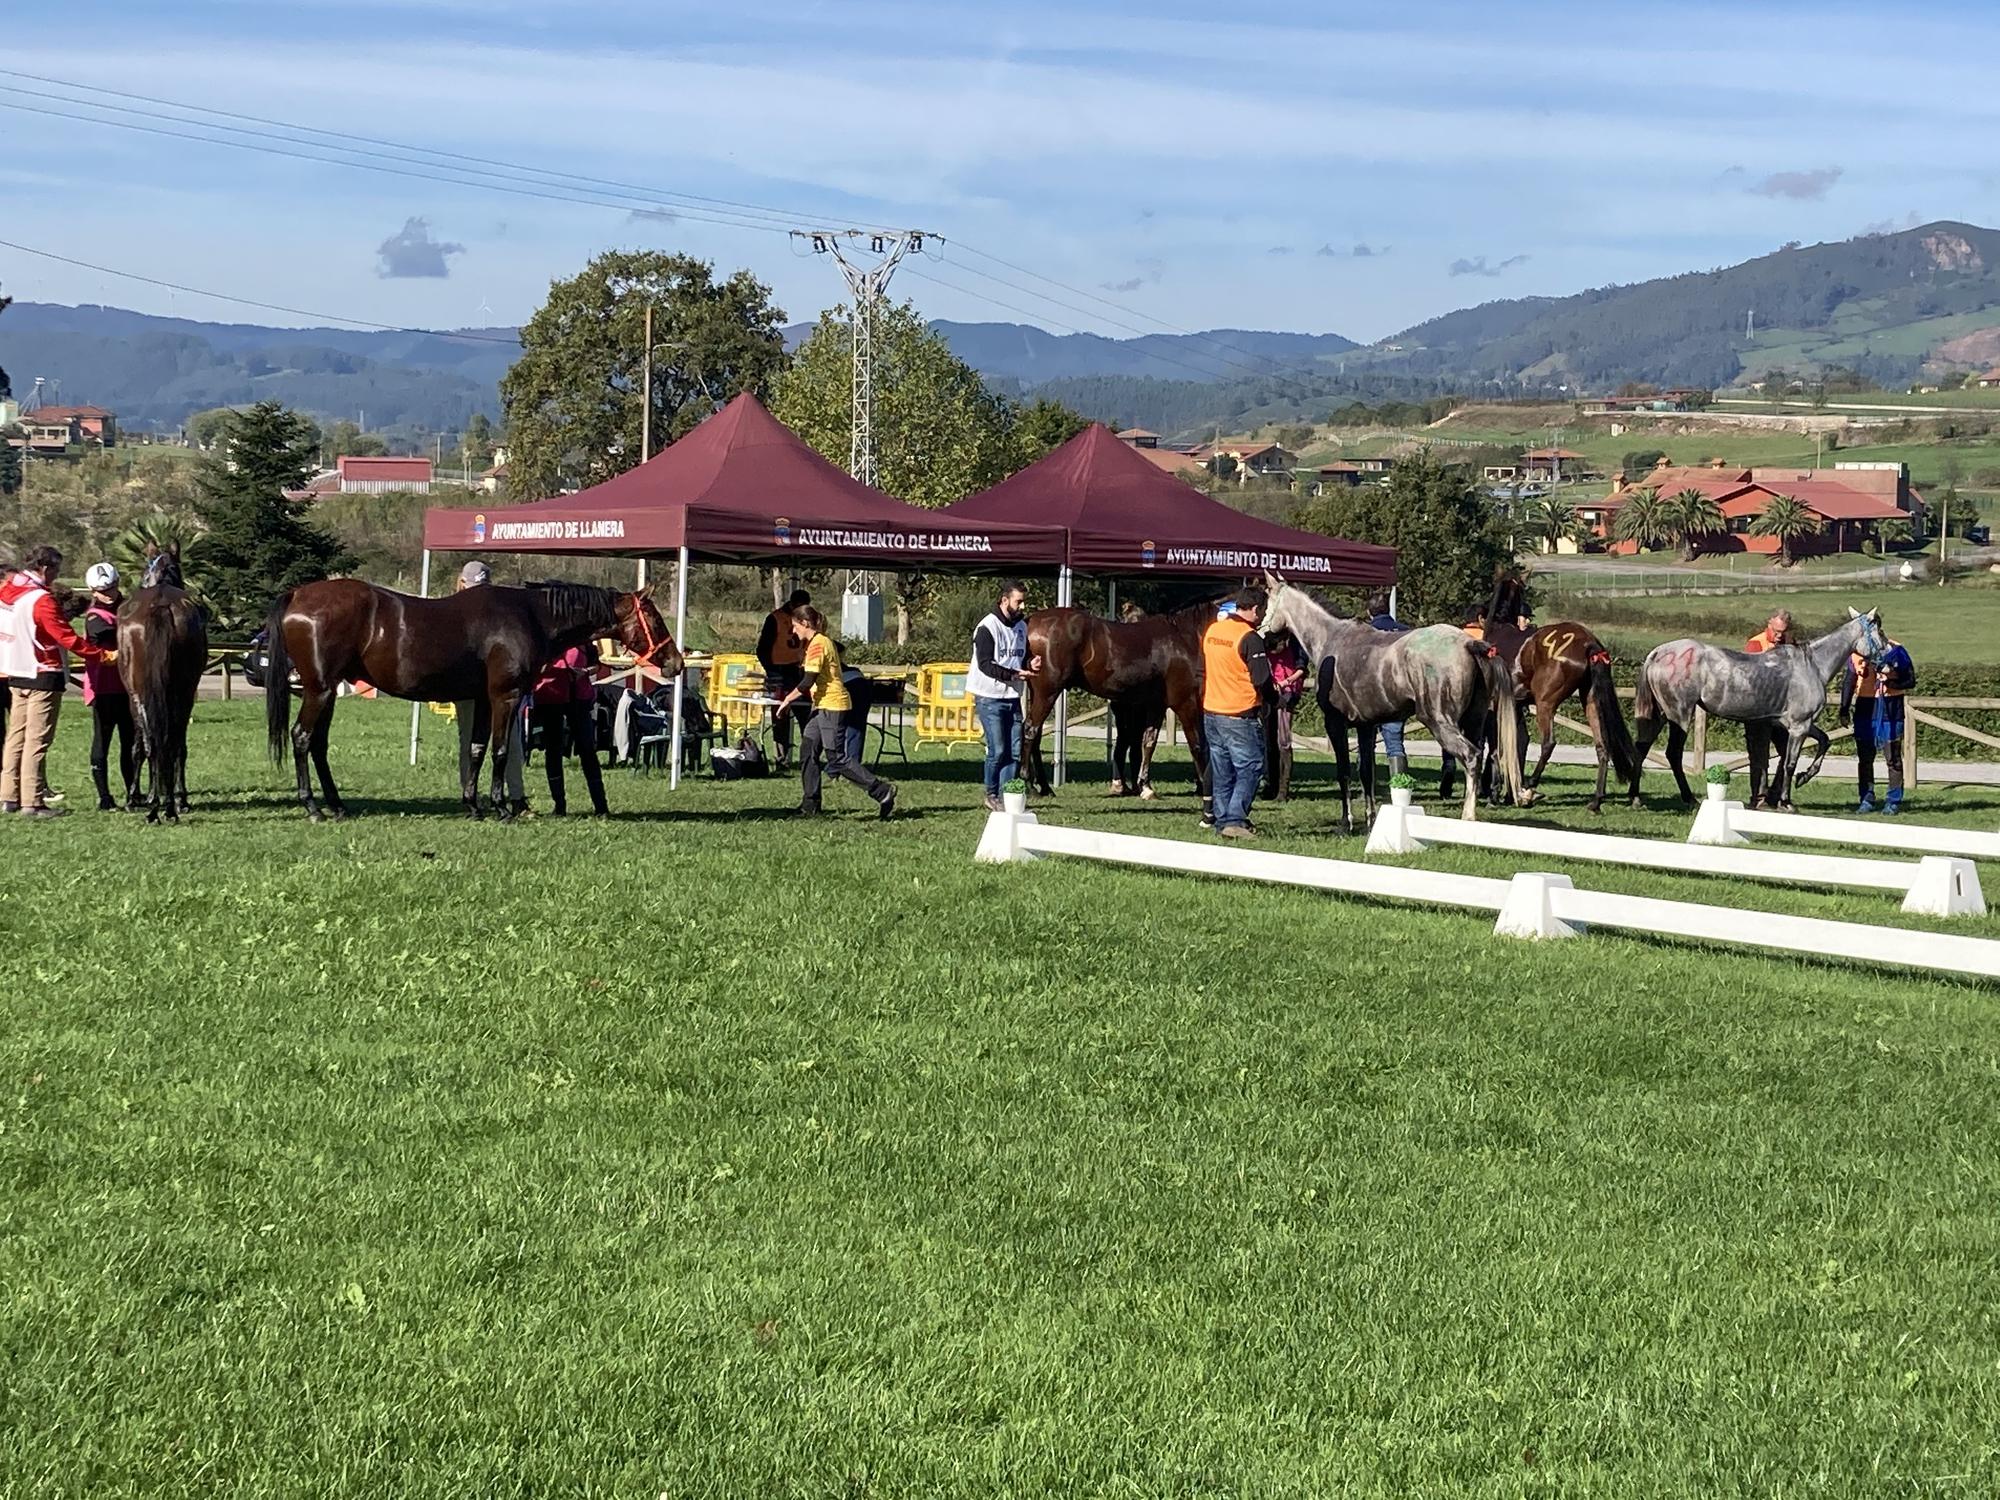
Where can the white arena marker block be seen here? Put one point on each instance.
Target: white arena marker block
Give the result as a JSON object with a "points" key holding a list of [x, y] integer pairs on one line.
{"points": [[1000, 842], [1527, 912], [1395, 831], [1711, 824], [1946, 887]]}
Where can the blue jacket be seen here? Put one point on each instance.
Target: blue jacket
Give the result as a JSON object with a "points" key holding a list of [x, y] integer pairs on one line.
{"points": [[1387, 622]]}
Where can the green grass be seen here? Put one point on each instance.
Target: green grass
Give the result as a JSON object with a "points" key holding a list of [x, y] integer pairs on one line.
{"points": [[1955, 624], [700, 1153]]}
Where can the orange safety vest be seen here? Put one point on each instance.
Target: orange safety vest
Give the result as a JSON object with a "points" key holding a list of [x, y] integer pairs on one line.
{"points": [[1476, 629], [1761, 641], [785, 649], [1866, 679], [1226, 686]]}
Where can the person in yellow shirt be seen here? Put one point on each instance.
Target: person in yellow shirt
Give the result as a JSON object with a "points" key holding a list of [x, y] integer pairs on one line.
{"points": [[825, 738]]}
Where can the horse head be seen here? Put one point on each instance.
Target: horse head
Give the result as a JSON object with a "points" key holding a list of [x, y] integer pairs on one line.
{"points": [[1872, 644], [163, 569], [643, 632], [1277, 596]]}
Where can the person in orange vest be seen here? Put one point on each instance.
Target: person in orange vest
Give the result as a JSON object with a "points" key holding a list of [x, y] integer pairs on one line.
{"points": [[1873, 696], [782, 656], [1236, 676], [1758, 738]]}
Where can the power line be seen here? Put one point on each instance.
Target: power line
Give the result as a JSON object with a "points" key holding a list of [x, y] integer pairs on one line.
{"points": [[299, 312]]}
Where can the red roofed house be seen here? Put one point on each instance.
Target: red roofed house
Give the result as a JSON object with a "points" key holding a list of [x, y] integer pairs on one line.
{"points": [[1545, 465], [1139, 437], [60, 426], [374, 476], [1989, 380], [1852, 504], [1266, 460]]}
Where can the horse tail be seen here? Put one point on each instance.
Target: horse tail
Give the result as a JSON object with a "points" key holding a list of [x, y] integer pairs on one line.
{"points": [[1507, 722], [278, 680], [148, 677], [1645, 705], [1610, 716]]}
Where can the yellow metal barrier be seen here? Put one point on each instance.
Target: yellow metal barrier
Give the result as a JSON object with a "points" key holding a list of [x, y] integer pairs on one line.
{"points": [[944, 708]]}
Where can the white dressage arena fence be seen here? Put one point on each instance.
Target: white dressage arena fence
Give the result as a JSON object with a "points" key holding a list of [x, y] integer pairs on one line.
{"points": [[1731, 823], [1934, 886], [1530, 905]]}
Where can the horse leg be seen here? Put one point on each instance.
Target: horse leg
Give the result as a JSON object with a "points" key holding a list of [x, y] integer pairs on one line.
{"points": [[1821, 744], [1453, 740], [1364, 739], [313, 704], [1676, 743], [335, 808], [1336, 730], [1788, 768], [1646, 731], [1545, 720], [1149, 741], [1035, 711], [505, 704]]}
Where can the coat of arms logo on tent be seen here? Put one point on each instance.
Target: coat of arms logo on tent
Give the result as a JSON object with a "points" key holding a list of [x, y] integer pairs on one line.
{"points": [[479, 527], [781, 530], [1146, 553]]}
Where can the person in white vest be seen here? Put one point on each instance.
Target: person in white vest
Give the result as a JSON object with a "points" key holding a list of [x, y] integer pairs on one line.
{"points": [[999, 661], [33, 637]]}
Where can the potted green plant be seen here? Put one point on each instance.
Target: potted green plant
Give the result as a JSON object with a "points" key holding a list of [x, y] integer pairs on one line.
{"points": [[1718, 783], [1014, 795], [1402, 789]]}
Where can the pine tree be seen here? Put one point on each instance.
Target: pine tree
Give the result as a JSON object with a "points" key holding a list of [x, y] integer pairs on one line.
{"points": [[256, 543], [10, 467]]}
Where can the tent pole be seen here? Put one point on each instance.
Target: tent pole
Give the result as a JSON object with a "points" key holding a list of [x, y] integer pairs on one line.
{"points": [[1392, 603], [680, 677], [417, 709], [1062, 699], [1110, 719]]}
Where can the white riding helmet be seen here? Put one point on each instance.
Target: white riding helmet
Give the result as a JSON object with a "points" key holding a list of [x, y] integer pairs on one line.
{"points": [[101, 576]]}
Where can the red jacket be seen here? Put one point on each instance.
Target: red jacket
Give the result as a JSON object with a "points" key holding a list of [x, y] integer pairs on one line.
{"points": [[53, 635]]}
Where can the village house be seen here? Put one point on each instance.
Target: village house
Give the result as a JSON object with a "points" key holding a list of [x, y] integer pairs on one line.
{"points": [[1988, 381], [1250, 456], [1852, 501], [52, 431]]}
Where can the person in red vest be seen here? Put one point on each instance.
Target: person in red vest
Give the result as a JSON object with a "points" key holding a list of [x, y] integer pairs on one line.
{"points": [[104, 691], [565, 705], [1236, 675], [33, 638]]}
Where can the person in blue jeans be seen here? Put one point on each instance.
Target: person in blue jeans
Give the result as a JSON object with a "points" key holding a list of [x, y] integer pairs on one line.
{"points": [[1392, 733], [1236, 679], [1000, 661]]}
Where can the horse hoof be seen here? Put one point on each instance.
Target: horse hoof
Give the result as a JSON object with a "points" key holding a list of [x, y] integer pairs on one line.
{"points": [[314, 815], [1594, 809]]}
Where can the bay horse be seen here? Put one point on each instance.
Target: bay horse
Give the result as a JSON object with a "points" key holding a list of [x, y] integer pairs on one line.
{"points": [[488, 642], [1438, 675], [162, 652], [1552, 664], [1785, 688], [1143, 668]]}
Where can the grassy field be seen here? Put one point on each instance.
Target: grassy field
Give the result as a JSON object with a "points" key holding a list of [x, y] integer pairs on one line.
{"points": [[697, 1152]]}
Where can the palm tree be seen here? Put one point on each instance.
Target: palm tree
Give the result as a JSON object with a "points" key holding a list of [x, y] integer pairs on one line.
{"points": [[1641, 519], [1786, 518], [1690, 515], [1550, 519], [159, 528]]}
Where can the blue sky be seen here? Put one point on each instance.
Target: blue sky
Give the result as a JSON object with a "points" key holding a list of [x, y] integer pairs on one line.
{"points": [[1205, 166]]}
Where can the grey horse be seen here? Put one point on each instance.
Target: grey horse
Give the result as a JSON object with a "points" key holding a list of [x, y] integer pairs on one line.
{"points": [[1784, 687], [1438, 675]]}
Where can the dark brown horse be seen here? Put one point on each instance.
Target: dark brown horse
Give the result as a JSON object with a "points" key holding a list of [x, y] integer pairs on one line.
{"points": [[162, 651], [487, 642], [1142, 668], [1565, 660]]}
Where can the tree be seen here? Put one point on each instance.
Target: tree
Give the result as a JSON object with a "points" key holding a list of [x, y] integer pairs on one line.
{"points": [[1895, 533], [1447, 538], [345, 439], [1294, 436], [1550, 519], [572, 402], [1040, 428], [1689, 516], [1637, 465], [1786, 519], [1641, 519], [257, 543], [477, 444], [6, 387], [204, 427], [10, 462]]}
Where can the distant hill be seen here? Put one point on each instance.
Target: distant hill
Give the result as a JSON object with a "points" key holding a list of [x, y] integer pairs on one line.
{"points": [[1882, 304]]}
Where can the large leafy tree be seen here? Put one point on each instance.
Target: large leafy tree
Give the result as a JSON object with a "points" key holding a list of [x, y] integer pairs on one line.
{"points": [[1787, 519], [1689, 515], [940, 433], [1642, 519], [573, 403], [1040, 427], [1550, 519], [1448, 539], [256, 543]]}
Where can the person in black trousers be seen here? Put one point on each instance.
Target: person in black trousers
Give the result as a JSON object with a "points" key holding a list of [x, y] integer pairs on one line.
{"points": [[104, 691], [565, 713], [783, 658]]}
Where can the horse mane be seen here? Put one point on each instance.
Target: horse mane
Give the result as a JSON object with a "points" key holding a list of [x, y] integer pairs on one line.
{"points": [[1509, 594], [573, 606]]}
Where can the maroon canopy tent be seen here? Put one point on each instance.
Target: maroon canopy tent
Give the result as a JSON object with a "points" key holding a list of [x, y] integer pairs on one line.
{"points": [[743, 487], [1126, 515]]}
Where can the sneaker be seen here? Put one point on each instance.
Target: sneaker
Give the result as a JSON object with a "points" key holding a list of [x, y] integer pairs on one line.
{"points": [[51, 797], [1867, 805], [993, 804], [1893, 806], [1239, 831], [888, 804], [105, 804], [803, 811], [10, 807], [43, 812]]}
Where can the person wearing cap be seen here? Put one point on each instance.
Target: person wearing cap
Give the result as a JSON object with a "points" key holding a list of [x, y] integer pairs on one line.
{"points": [[104, 691], [33, 637], [1236, 680], [475, 715]]}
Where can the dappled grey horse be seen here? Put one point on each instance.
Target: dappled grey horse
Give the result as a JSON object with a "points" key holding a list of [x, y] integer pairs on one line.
{"points": [[1438, 675], [1785, 686]]}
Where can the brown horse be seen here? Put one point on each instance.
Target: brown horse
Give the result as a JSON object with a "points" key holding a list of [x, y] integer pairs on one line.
{"points": [[162, 651], [1565, 660], [1143, 668], [487, 642]]}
